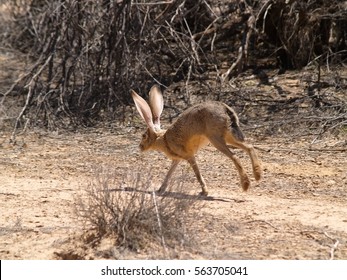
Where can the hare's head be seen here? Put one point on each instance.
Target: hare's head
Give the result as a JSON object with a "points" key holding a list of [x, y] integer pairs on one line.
{"points": [[150, 113], [149, 137]]}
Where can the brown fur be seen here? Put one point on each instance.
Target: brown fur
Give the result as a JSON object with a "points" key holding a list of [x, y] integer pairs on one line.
{"points": [[209, 122]]}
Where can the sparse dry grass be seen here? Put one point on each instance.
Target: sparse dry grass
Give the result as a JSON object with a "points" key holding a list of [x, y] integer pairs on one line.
{"points": [[129, 210]]}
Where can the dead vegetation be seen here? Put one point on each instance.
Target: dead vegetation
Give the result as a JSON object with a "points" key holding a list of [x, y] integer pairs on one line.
{"points": [[84, 57], [280, 64], [288, 215], [127, 209]]}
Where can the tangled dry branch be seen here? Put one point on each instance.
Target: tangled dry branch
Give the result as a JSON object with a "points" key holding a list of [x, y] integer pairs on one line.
{"points": [[88, 54], [129, 210]]}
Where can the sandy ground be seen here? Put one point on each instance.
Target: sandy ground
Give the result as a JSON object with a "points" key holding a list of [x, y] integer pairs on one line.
{"points": [[297, 211]]}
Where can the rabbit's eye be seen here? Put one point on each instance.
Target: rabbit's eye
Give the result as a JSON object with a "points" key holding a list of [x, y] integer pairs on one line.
{"points": [[144, 136]]}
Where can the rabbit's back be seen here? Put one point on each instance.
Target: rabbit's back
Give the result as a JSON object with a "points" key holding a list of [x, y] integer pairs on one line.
{"points": [[193, 127]]}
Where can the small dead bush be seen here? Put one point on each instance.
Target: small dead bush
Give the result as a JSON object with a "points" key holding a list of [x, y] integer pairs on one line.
{"points": [[128, 209]]}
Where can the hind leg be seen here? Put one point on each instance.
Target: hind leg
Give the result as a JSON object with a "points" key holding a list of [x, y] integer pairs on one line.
{"points": [[256, 166], [220, 144]]}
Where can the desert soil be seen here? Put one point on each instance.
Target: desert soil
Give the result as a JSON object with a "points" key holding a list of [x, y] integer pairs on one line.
{"points": [[297, 211]]}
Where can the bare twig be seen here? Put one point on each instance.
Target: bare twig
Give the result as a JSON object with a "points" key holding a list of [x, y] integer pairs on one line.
{"points": [[152, 3], [29, 96], [334, 247], [262, 221], [159, 222], [242, 57]]}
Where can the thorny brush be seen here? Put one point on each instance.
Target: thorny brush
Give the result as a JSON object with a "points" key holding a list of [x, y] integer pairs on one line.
{"points": [[128, 209]]}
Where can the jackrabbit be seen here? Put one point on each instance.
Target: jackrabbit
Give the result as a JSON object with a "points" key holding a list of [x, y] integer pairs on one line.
{"points": [[210, 122]]}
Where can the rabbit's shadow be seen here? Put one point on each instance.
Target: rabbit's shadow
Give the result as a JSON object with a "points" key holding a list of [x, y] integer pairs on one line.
{"points": [[179, 195]]}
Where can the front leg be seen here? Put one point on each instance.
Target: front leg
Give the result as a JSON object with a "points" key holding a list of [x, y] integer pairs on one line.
{"points": [[201, 180], [173, 166]]}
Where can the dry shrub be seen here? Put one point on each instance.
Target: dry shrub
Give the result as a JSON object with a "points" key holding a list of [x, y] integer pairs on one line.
{"points": [[128, 209], [304, 31], [87, 55]]}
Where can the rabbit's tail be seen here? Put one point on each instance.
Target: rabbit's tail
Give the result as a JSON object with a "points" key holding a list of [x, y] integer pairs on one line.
{"points": [[235, 125]]}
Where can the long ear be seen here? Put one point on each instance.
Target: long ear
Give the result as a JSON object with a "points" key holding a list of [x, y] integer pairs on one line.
{"points": [[143, 109], [156, 102]]}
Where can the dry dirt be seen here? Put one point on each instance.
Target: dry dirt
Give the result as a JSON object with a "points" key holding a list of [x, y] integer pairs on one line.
{"points": [[297, 211]]}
